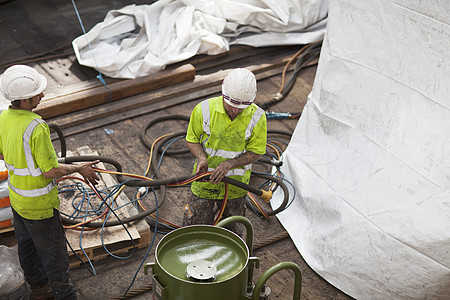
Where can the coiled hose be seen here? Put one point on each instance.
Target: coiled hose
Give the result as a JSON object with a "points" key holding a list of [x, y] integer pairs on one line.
{"points": [[263, 159], [158, 182]]}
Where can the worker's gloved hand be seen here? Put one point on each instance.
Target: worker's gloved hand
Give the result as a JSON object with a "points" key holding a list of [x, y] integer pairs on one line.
{"points": [[88, 173], [219, 172]]}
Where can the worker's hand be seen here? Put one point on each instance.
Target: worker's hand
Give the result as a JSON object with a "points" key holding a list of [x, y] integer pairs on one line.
{"points": [[219, 172], [202, 166], [88, 173]]}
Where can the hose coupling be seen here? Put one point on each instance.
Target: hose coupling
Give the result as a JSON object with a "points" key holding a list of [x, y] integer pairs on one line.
{"points": [[276, 162], [278, 96], [278, 115], [266, 195]]}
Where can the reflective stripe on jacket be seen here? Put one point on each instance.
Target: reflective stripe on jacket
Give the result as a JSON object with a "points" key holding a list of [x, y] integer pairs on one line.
{"points": [[223, 139], [28, 152]]}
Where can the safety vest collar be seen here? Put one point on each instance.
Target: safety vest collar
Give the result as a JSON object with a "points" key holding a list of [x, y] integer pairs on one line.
{"points": [[19, 111]]}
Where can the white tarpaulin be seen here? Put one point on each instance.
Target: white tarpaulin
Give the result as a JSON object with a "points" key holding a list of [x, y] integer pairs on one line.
{"points": [[370, 155], [141, 39]]}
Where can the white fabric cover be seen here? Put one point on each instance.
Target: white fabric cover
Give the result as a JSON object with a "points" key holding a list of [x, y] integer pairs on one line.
{"points": [[370, 156], [141, 39], [4, 190], [6, 213]]}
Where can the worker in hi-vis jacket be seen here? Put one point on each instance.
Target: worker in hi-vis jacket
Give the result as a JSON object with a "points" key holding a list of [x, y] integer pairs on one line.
{"points": [[31, 160], [226, 134]]}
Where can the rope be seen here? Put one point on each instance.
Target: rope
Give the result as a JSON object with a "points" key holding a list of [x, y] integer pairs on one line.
{"points": [[99, 76], [136, 292], [271, 240]]}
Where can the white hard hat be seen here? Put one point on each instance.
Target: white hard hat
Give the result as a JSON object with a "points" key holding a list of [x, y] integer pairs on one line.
{"points": [[21, 82], [239, 88]]}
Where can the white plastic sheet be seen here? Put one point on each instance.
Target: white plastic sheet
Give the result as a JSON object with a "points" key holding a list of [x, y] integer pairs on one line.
{"points": [[141, 39], [370, 154], [4, 190], [6, 213], [12, 280]]}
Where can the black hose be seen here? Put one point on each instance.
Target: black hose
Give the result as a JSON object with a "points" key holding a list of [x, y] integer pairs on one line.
{"points": [[148, 144], [263, 159], [283, 187], [151, 122], [307, 56], [62, 139], [162, 183]]}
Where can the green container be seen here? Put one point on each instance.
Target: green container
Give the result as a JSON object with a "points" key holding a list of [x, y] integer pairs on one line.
{"points": [[200, 262], [203, 262]]}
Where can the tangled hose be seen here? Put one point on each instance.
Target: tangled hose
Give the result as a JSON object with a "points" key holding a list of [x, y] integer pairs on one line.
{"points": [[162, 183]]}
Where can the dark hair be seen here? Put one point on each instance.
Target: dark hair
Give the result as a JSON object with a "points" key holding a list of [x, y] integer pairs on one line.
{"points": [[15, 103]]}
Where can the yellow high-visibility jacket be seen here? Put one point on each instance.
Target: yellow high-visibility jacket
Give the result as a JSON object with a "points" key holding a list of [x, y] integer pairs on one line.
{"points": [[223, 139], [28, 152]]}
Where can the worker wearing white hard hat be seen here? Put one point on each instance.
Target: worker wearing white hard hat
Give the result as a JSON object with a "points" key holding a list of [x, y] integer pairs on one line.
{"points": [[226, 135], [28, 153], [22, 82], [239, 88]]}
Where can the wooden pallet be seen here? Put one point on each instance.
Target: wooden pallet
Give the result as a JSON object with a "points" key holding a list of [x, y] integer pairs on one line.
{"points": [[118, 242], [120, 248], [96, 253], [7, 237]]}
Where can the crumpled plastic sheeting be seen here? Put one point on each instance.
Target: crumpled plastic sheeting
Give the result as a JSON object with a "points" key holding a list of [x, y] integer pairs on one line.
{"points": [[6, 213], [138, 40], [4, 189], [12, 280], [370, 154]]}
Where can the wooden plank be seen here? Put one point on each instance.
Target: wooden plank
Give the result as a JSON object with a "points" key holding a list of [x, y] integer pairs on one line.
{"points": [[201, 87], [200, 82], [7, 237], [81, 78], [5, 230], [203, 64], [119, 90], [98, 253]]}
